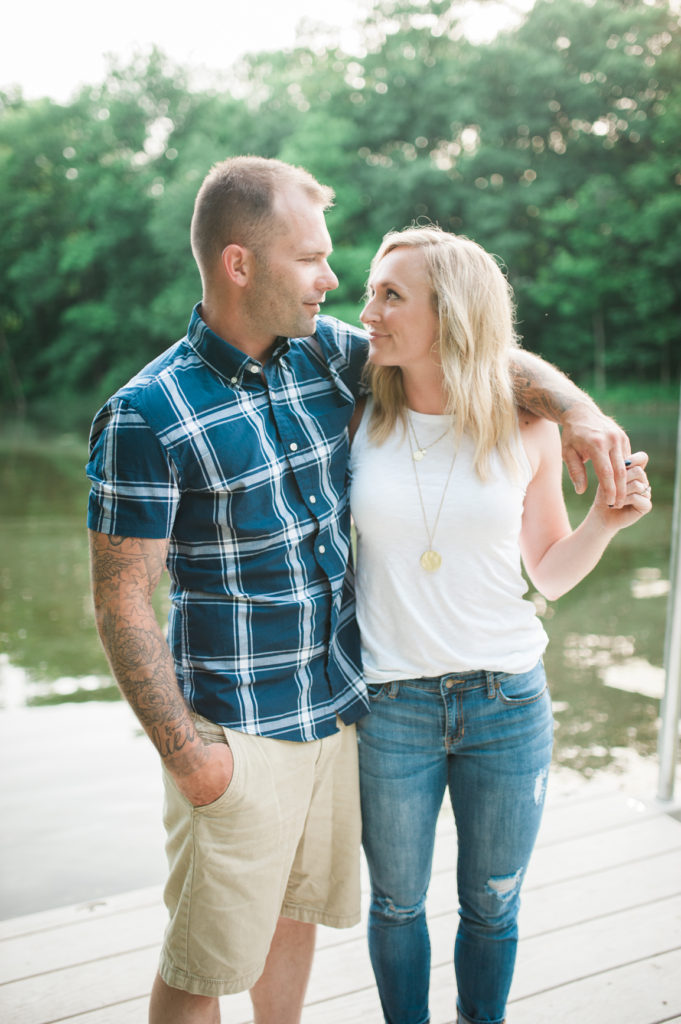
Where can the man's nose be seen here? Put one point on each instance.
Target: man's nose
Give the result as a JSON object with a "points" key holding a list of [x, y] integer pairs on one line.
{"points": [[331, 281]]}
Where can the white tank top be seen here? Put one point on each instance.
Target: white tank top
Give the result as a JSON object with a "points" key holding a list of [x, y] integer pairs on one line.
{"points": [[469, 614]]}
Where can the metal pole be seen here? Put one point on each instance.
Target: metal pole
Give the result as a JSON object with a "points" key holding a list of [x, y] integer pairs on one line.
{"points": [[671, 702]]}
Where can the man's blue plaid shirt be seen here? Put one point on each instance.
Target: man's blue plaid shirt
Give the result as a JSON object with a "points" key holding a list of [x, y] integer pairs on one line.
{"points": [[247, 477]]}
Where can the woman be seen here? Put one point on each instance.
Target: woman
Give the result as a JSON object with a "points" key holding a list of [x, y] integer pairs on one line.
{"points": [[451, 485]]}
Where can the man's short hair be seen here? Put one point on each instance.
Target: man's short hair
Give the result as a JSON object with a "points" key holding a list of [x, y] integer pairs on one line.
{"points": [[235, 205]]}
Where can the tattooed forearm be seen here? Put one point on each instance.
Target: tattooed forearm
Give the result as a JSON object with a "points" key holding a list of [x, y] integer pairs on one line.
{"points": [[169, 741], [127, 561], [125, 572], [542, 389]]}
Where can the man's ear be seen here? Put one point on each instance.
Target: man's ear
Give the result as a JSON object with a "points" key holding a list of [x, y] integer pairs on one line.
{"points": [[237, 264]]}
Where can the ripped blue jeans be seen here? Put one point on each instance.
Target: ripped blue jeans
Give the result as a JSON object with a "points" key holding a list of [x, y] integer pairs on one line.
{"points": [[487, 737]]}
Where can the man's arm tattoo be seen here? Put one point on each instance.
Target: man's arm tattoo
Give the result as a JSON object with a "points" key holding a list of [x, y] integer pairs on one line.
{"points": [[125, 573], [549, 395]]}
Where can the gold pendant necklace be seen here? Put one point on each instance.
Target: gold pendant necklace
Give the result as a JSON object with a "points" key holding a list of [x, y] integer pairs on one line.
{"points": [[430, 560]]}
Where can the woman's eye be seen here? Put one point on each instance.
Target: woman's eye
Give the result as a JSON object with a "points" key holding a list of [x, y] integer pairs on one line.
{"points": [[391, 294]]}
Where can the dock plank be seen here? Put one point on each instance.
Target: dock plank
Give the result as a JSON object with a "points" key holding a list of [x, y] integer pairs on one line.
{"points": [[630, 842], [71, 944], [67, 993], [597, 946], [640, 993], [590, 815]]}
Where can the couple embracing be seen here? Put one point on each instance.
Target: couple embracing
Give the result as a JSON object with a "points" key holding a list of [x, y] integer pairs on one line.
{"points": [[277, 696]]}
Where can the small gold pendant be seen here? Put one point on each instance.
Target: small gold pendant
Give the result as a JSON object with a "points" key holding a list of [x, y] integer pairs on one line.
{"points": [[431, 560], [418, 454]]}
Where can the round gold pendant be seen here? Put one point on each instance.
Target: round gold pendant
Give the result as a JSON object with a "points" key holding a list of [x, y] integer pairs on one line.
{"points": [[418, 454], [431, 560]]}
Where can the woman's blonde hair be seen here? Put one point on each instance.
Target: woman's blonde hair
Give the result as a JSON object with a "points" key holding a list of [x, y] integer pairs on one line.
{"points": [[474, 304]]}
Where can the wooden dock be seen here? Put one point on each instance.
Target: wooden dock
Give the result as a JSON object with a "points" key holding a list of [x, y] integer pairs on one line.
{"points": [[600, 934]]}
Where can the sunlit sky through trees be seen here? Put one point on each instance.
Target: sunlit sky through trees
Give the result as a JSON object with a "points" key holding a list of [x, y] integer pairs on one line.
{"points": [[51, 49]]}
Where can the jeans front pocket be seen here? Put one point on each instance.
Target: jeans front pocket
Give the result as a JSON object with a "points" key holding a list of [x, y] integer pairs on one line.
{"points": [[517, 689], [382, 691]]}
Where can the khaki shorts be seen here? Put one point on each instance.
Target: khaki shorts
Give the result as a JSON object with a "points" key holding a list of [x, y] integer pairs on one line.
{"points": [[283, 840]]}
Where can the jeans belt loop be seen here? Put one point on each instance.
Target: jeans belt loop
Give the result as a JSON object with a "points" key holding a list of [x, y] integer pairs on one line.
{"points": [[491, 681]]}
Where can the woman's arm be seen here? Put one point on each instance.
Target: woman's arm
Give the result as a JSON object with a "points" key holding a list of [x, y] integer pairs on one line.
{"points": [[555, 556]]}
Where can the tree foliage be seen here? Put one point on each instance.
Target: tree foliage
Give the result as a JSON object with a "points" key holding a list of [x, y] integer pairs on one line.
{"points": [[556, 146]]}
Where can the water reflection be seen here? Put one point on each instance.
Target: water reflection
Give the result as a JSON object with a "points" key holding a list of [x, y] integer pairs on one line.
{"points": [[649, 583], [49, 649], [617, 664], [19, 690]]}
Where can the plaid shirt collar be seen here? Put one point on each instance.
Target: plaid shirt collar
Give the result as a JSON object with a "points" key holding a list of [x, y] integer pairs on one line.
{"points": [[224, 359]]}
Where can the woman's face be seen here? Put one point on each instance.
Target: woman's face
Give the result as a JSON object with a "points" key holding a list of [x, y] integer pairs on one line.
{"points": [[399, 316]]}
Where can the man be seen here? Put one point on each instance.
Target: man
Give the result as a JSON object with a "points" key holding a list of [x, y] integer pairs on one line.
{"points": [[225, 460]]}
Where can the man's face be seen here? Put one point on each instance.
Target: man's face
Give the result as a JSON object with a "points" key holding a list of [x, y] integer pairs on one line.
{"points": [[292, 276]]}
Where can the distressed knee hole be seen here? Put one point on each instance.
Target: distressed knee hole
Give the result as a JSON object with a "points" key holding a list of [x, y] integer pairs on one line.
{"points": [[389, 911], [505, 887]]}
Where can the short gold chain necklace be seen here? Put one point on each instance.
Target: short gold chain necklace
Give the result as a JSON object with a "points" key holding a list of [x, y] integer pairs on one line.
{"points": [[418, 450], [430, 560]]}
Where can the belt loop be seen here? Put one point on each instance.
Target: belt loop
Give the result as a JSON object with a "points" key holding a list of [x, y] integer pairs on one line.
{"points": [[491, 680]]}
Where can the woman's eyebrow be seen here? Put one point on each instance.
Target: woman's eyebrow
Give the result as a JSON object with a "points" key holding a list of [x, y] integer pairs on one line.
{"points": [[385, 283]]}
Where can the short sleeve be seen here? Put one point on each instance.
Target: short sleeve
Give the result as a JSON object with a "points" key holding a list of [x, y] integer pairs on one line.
{"points": [[134, 491]]}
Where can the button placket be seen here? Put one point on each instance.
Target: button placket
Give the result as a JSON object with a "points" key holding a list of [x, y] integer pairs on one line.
{"points": [[305, 470]]}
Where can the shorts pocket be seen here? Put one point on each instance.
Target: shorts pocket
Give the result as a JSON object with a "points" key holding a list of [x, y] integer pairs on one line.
{"points": [[517, 689], [211, 733]]}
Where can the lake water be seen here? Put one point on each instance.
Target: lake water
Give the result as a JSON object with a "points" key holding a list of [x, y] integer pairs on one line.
{"points": [[81, 803]]}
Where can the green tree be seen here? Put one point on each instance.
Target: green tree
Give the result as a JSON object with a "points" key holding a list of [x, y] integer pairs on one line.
{"points": [[556, 146], [603, 298], [77, 255]]}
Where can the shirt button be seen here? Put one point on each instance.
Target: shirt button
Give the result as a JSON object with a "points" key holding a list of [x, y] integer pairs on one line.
{"points": [[313, 500], [234, 380], [321, 549], [293, 446], [253, 368]]}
